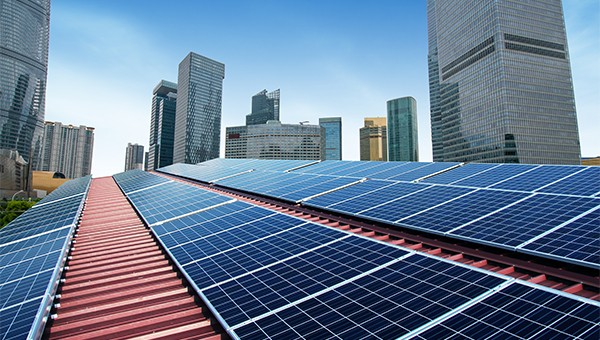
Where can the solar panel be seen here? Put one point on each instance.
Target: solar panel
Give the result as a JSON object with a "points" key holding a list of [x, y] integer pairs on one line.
{"points": [[394, 300], [521, 311], [134, 180], [323, 167], [395, 209], [73, 187], [327, 184], [537, 178], [347, 193], [459, 173], [17, 320], [252, 180], [526, 219], [584, 183], [427, 170], [495, 175], [353, 167], [578, 242], [397, 168], [455, 213], [364, 170]]}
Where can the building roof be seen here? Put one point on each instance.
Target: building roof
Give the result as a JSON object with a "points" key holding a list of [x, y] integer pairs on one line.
{"points": [[315, 249]]}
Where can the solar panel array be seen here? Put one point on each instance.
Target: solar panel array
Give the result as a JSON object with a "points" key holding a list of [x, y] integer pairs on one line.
{"points": [[518, 207], [266, 274], [33, 249]]}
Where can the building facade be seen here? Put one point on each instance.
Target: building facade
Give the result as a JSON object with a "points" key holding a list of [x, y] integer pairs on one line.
{"points": [[67, 149], [134, 157], [275, 141], [198, 109], [402, 130], [373, 140], [333, 137], [500, 82], [24, 34], [162, 125], [265, 107]]}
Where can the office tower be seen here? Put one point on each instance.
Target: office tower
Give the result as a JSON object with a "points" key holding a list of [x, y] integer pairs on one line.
{"points": [[265, 107], [275, 141], [373, 140], [162, 125], [198, 110], [500, 82], [333, 137], [134, 157], [24, 34], [402, 132], [67, 149]]}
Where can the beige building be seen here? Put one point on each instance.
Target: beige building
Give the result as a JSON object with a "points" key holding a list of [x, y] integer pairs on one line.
{"points": [[373, 139], [590, 160]]}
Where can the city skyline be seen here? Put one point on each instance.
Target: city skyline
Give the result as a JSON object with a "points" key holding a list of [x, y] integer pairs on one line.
{"points": [[325, 66]]}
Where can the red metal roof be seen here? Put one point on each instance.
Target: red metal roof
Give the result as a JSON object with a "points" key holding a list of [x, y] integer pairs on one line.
{"points": [[118, 283]]}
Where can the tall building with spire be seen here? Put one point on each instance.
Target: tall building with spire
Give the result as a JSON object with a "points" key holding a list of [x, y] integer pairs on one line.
{"points": [[198, 109], [500, 82]]}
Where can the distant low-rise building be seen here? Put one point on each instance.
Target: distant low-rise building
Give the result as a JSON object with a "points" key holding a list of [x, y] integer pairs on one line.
{"points": [[134, 157], [275, 140], [67, 149], [590, 160], [373, 140]]}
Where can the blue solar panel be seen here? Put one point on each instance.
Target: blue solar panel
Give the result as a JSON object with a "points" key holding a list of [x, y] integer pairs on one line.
{"points": [[323, 167], [584, 183], [423, 171], [328, 183], [73, 187], [578, 241], [495, 175], [252, 180], [522, 312], [377, 197], [537, 178], [388, 303], [17, 320], [171, 200], [366, 169], [459, 173], [289, 182], [465, 209], [347, 193], [527, 219], [133, 180], [396, 209], [397, 168]]}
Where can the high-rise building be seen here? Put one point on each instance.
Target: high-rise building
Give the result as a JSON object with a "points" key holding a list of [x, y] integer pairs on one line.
{"points": [[134, 157], [500, 82], [67, 149], [265, 107], [198, 109], [402, 131], [275, 141], [24, 34], [162, 125], [333, 137], [373, 140]]}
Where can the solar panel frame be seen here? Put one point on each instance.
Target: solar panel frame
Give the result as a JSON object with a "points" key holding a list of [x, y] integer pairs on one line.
{"points": [[583, 183], [495, 175], [347, 193], [424, 171], [537, 177]]}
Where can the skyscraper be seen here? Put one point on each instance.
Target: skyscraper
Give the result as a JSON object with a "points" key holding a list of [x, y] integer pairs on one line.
{"points": [[67, 149], [162, 125], [373, 140], [500, 82], [402, 131], [24, 34], [333, 137], [134, 157], [198, 110], [265, 107]]}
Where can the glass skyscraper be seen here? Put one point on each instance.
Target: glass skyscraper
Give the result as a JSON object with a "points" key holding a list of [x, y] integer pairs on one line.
{"points": [[134, 157], [198, 109], [162, 125], [24, 34], [265, 107], [333, 137], [402, 130], [500, 82]]}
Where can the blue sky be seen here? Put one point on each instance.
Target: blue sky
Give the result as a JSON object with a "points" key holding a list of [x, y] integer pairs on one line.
{"points": [[329, 58]]}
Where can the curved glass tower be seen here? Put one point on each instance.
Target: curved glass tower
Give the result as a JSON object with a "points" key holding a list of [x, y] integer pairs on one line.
{"points": [[24, 34]]}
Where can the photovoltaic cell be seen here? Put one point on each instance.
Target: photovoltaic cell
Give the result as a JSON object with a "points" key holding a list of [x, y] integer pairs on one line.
{"points": [[364, 170], [537, 178], [133, 180], [578, 241], [318, 188], [386, 304], [465, 209], [584, 183], [426, 170], [520, 311], [526, 219], [397, 168], [459, 173], [347, 193], [494, 175], [412, 204], [17, 320]]}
